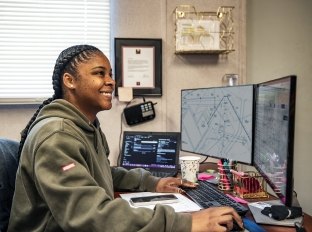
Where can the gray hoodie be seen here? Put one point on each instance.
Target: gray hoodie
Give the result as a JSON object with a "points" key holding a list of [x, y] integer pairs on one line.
{"points": [[65, 183]]}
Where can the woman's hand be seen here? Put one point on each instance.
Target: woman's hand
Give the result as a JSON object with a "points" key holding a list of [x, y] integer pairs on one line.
{"points": [[172, 185], [215, 219]]}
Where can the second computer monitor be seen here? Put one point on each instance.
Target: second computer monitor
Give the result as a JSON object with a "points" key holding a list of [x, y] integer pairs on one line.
{"points": [[274, 134]]}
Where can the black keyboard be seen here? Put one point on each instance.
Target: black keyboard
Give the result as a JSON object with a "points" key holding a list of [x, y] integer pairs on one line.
{"points": [[206, 195]]}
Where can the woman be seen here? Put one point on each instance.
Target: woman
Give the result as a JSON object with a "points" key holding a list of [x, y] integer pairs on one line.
{"points": [[64, 181]]}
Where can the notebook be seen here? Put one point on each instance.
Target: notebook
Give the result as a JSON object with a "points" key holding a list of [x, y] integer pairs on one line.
{"points": [[157, 152]]}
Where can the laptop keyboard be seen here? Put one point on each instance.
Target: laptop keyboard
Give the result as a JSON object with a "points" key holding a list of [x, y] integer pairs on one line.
{"points": [[207, 195], [163, 174]]}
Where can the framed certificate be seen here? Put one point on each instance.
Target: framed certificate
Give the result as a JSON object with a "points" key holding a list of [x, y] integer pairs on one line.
{"points": [[138, 64]]}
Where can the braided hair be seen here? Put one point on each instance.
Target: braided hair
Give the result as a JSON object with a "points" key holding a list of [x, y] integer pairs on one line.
{"points": [[67, 61]]}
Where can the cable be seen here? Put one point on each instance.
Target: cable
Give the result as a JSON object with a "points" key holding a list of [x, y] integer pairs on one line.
{"points": [[202, 162], [119, 153], [121, 130], [120, 134]]}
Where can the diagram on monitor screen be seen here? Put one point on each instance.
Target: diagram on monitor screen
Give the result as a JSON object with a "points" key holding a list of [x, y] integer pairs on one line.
{"points": [[218, 122]]}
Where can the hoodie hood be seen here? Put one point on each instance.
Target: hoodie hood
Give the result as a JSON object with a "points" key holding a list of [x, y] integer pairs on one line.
{"points": [[63, 109], [66, 111]]}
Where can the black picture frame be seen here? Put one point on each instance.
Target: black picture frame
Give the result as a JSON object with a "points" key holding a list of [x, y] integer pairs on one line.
{"points": [[153, 47]]}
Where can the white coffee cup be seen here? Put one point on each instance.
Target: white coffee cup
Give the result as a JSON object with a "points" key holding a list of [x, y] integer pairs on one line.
{"points": [[189, 167]]}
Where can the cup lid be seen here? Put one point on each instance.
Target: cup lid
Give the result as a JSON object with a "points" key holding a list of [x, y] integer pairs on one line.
{"points": [[189, 157]]}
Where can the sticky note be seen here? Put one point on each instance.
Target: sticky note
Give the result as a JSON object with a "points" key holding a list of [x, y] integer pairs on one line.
{"points": [[205, 176], [125, 94]]}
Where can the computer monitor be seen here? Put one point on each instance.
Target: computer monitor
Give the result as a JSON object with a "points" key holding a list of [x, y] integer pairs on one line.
{"points": [[274, 134], [218, 122]]}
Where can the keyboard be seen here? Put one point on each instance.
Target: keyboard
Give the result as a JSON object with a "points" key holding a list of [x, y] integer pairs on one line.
{"points": [[207, 195]]}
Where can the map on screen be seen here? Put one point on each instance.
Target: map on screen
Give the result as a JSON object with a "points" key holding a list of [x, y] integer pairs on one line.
{"points": [[217, 122]]}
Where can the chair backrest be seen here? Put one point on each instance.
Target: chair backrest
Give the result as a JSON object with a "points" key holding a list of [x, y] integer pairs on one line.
{"points": [[8, 167]]}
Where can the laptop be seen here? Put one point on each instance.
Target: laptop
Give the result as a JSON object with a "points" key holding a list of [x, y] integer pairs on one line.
{"points": [[157, 152]]}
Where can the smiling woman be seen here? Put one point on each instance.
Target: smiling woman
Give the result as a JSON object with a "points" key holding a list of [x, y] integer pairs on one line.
{"points": [[81, 74], [64, 170], [62, 137]]}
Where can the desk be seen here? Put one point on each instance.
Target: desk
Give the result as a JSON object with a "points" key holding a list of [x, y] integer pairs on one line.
{"points": [[307, 218]]}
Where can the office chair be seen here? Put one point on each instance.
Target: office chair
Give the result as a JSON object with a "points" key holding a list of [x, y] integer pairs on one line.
{"points": [[8, 167]]}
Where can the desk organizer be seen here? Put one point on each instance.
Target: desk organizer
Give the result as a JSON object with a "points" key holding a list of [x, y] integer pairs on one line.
{"points": [[205, 31], [249, 184], [226, 180]]}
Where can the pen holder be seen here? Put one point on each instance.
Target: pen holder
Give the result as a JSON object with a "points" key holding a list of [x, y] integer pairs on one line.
{"points": [[226, 182]]}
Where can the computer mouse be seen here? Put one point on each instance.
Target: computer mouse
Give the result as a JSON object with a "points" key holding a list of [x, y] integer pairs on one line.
{"points": [[236, 227]]}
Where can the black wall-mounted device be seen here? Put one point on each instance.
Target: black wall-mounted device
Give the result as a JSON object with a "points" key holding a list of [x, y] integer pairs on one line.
{"points": [[139, 113]]}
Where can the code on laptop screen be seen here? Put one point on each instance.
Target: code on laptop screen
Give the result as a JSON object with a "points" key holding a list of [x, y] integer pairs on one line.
{"points": [[150, 149]]}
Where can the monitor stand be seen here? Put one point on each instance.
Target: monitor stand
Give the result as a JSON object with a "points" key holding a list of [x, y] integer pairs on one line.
{"points": [[257, 207]]}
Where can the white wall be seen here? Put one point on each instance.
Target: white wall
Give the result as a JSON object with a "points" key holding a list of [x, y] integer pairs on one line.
{"points": [[279, 36]]}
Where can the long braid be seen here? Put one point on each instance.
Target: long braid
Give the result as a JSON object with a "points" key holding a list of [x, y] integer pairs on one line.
{"points": [[67, 61]]}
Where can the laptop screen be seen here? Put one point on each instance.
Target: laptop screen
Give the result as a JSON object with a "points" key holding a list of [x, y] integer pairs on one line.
{"points": [[150, 150]]}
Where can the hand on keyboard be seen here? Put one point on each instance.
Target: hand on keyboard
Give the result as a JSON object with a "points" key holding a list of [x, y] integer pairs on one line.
{"points": [[172, 184], [215, 219], [207, 195]]}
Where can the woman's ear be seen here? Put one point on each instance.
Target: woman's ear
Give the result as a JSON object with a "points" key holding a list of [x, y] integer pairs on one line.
{"points": [[69, 81]]}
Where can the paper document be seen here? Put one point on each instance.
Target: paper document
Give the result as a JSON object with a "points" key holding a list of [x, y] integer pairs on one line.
{"points": [[184, 204]]}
